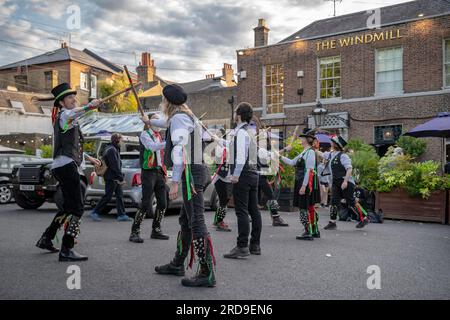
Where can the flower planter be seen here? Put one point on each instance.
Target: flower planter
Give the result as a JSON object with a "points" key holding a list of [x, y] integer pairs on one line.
{"points": [[398, 204]]}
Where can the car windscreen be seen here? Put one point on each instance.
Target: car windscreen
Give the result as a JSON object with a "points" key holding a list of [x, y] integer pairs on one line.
{"points": [[130, 161]]}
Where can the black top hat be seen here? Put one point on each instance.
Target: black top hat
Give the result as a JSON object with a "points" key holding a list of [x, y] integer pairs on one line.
{"points": [[175, 94], [307, 133], [341, 143], [61, 91]]}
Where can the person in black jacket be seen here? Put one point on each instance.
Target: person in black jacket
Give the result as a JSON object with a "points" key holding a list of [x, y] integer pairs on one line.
{"points": [[114, 180]]}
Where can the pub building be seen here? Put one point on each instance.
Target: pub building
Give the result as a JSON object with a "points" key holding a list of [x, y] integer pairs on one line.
{"points": [[372, 74]]}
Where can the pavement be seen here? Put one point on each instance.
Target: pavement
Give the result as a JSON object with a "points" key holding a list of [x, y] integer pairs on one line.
{"points": [[413, 260]]}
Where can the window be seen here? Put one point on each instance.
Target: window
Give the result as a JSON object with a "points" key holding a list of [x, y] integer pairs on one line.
{"points": [[93, 86], [389, 71], [330, 77], [48, 80], [274, 88], [21, 82], [83, 81], [447, 63], [387, 134]]}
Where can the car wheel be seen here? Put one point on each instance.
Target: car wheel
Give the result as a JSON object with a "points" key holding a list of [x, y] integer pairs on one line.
{"points": [[5, 194], [27, 203], [58, 197]]}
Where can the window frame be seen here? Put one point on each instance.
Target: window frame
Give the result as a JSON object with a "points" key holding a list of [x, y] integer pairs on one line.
{"points": [[87, 81], [264, 86], [381, 94], [444, 64], [96, 86], [319, 79]]}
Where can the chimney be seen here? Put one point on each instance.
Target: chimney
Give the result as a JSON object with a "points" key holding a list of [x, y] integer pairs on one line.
{"points": [[261, 33], [227, 74], [146, 70], [210, 76]]}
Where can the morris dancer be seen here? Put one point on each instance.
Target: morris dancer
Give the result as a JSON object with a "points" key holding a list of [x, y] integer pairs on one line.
{"points": [[221, 180], [306, 187], [343, 185], [153, 174], [184, 152], [244, 176], [67, 159]]}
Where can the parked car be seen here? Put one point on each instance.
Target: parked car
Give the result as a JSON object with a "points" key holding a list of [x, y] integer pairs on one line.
{"points": [[7, 163], [132, 190], [33, 183]]}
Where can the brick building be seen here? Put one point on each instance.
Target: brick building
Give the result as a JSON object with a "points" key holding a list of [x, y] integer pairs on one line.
{"points": [[81, 69], [375, 83]]}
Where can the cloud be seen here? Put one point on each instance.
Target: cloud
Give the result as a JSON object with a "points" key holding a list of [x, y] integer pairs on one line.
{"points": [[196, 35]]}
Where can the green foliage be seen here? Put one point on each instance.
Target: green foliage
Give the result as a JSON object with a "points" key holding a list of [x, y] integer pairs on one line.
{"points": [[89, 147], [47, 151], [364, 162], [359, 145], [29, 151], [121, 103], [424, 179], [412, 146], [417, 178], [288, 176]]}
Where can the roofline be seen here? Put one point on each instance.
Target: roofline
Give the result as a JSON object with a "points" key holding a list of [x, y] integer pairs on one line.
{"points": [[345, 32]]}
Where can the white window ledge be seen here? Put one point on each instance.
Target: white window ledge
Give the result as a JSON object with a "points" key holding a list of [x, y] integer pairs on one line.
{"points": [[273, 116]]}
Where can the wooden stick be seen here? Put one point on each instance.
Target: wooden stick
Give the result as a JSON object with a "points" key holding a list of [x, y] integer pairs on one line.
{"points": [[141, 109], [115, 94]]}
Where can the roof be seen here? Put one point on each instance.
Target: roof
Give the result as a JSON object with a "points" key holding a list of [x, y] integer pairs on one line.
{"points": [[14, 100], [86, 57], [358, 21], [204, 84]]}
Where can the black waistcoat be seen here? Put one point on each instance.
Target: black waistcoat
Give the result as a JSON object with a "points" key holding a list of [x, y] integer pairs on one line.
{"points": [[337, 168], [69, 143]]}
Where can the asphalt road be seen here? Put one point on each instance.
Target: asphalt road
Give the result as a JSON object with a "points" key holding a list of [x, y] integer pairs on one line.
{"points": [[414, 261]]}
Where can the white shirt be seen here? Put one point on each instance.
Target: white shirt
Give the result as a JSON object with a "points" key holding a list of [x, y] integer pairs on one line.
{"points": [[151, 142]]}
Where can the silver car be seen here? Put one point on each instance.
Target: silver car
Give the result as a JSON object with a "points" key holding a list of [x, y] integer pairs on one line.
{"points": [[132, 189]]}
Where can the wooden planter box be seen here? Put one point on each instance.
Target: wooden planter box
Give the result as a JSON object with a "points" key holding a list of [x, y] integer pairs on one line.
{"points": [[398, 204], [286, 199]]}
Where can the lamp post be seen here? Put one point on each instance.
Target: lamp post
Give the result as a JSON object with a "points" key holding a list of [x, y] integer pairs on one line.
{"points": [[231, 102], [319, 114]]}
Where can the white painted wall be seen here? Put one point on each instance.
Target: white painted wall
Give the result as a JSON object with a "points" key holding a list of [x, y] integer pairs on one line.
{"points": [[15, 122]]}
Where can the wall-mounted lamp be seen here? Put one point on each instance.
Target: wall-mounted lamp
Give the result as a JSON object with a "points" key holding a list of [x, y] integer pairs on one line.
{"points": [[241, 53], [243, 74], [300, 74]]}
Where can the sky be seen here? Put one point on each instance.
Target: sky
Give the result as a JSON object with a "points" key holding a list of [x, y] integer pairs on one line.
{"points": [[187, 39]]}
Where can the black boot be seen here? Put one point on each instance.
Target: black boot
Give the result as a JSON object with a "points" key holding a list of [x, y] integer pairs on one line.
{"points": [[362, 223], [305, 235], [331, 226], [176, 266], [67, 254], [46, 244], [156, 227], [255, 249], [205, 276], [277, 221], [73, 230], [136, 227], [316, 234], [237, 252]]}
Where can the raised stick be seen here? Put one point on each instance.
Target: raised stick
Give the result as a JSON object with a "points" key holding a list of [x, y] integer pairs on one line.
{"points": [[141, 110]]}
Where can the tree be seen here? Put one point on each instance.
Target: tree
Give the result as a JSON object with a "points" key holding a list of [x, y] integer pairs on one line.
{"points": [[121, 103], [412, 146]]}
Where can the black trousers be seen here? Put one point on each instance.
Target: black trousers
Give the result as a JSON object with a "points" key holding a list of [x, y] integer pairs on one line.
{"points": [[153, 181], [264, 187], [245, 194], [222, 192], [192, 216], [337, 194], [112, 187], [73, 194]]}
